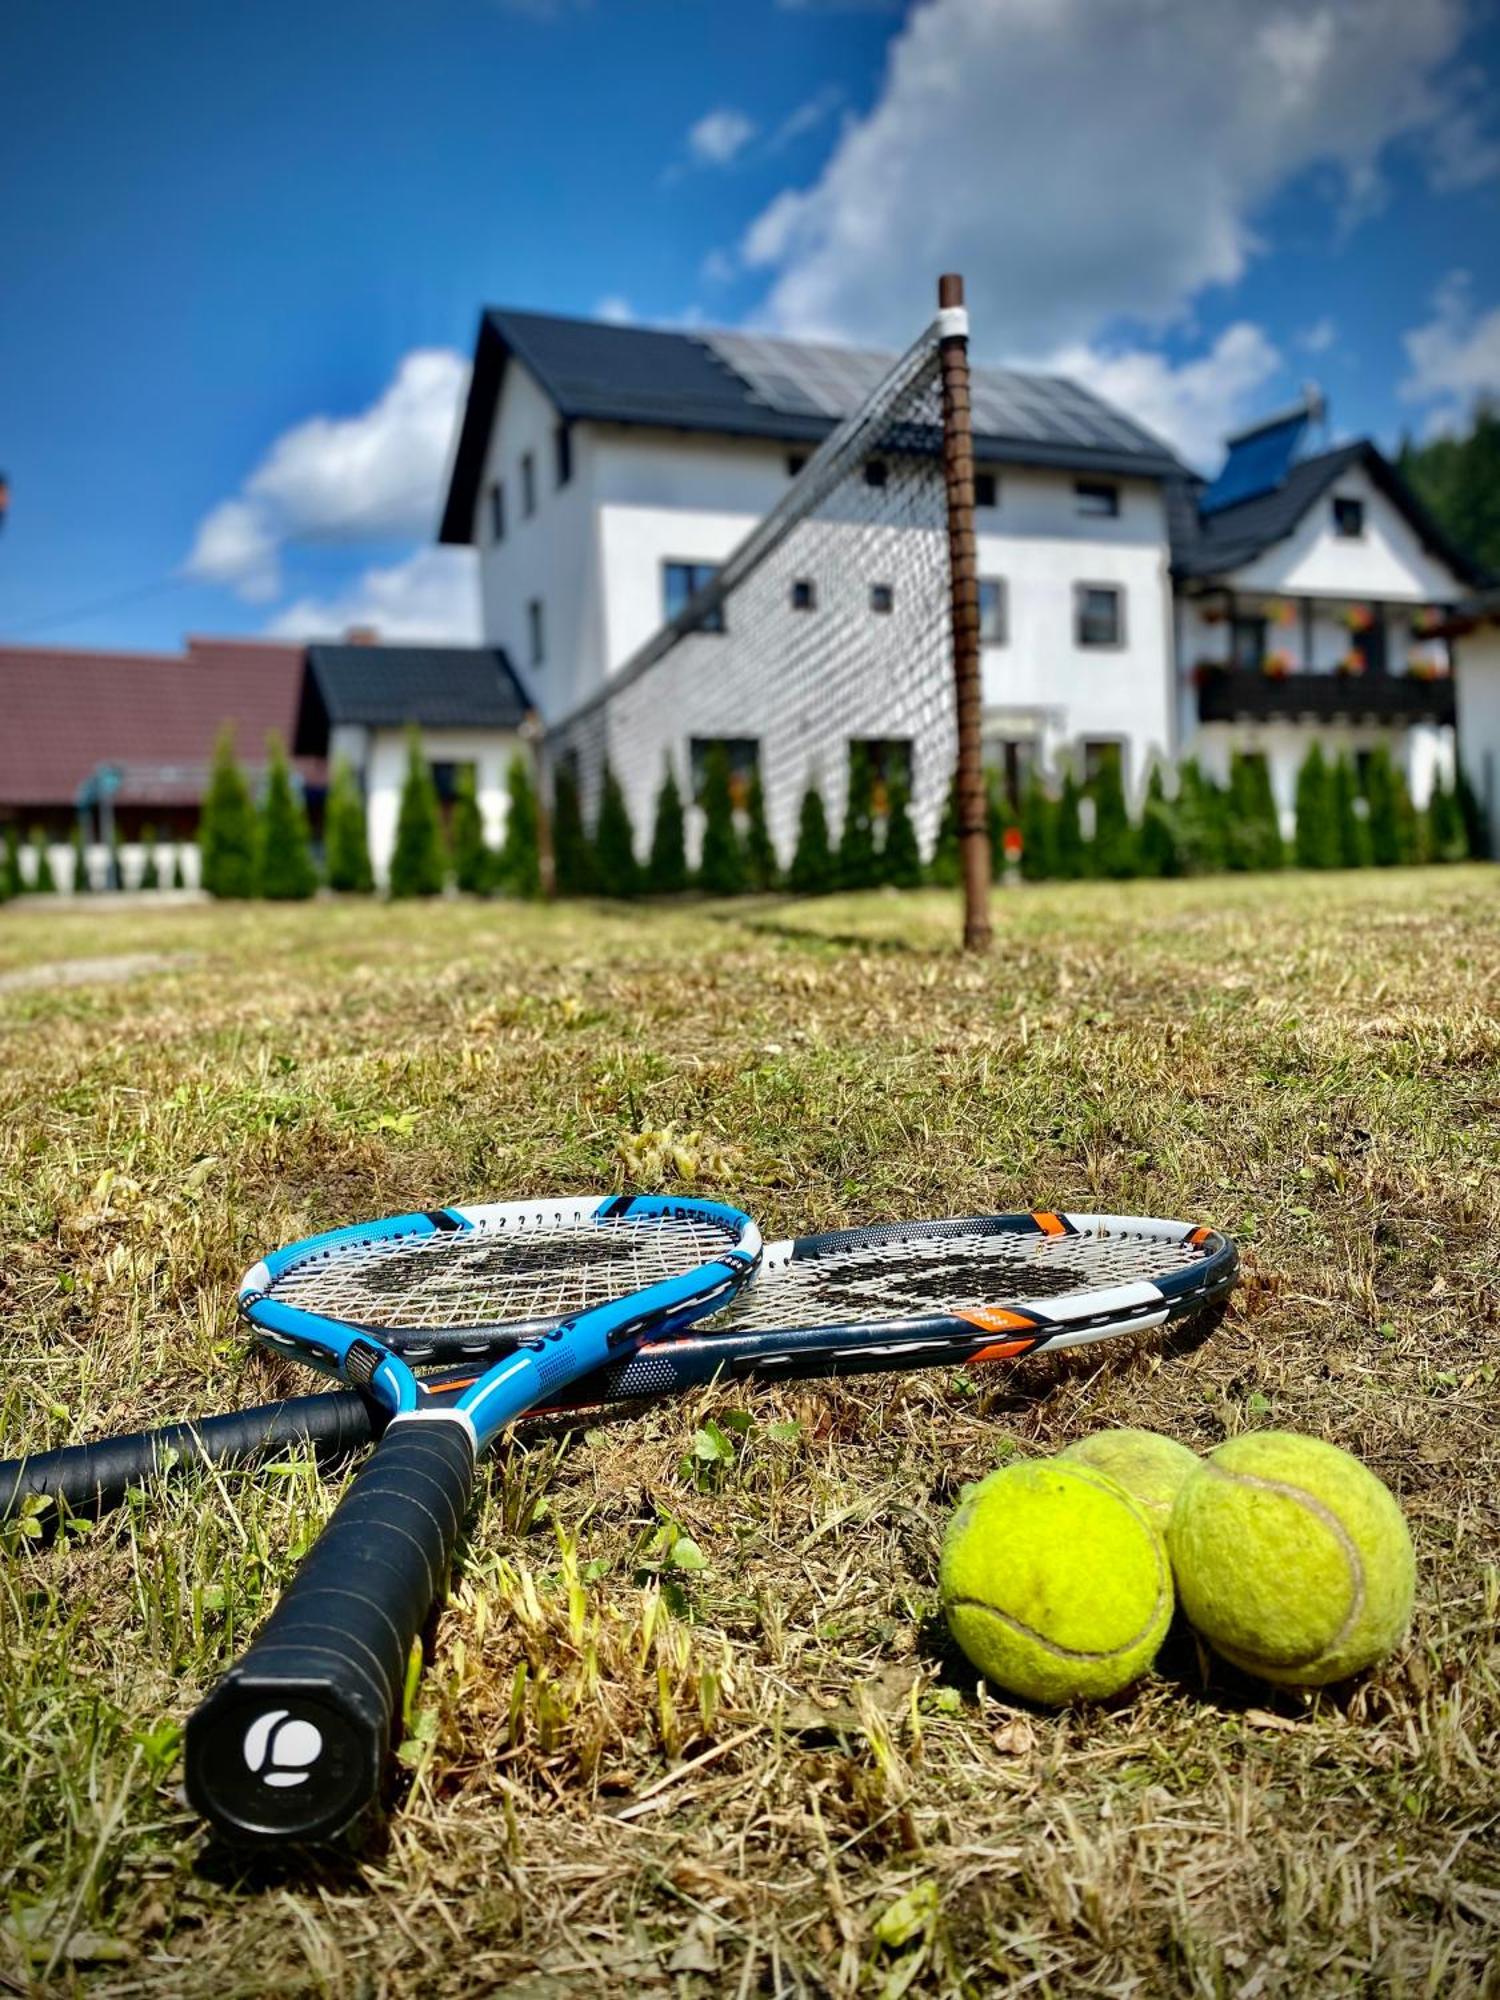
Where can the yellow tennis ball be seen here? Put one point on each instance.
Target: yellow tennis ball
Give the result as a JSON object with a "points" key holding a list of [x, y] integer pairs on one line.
{"points": [[1055, 1583], [1292, 1559], [1153, 1469]]}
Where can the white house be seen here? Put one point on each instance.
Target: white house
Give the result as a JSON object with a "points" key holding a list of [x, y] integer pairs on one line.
{"points": [[1475, 627], [360, 700], [604, 471], [1311, 592]]}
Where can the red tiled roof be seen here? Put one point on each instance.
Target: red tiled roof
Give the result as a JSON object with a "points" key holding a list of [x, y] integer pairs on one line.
{"points": [[64, 712]]}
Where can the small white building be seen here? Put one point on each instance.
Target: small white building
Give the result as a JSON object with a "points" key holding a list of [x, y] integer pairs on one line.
{"points": [[603, 472], [359, 701]]}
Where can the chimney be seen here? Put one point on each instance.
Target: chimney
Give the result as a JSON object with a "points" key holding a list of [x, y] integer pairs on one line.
{"points": [[361, 635]]}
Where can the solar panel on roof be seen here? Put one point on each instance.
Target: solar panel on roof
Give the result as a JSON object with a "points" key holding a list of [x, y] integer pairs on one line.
{"points": [[1256, 464]]}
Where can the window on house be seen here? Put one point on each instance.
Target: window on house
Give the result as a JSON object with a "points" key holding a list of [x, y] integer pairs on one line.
{"points": [[680, 584], [497, 512], [1098, 614], [795, 460], [528, 484], [804, 594], [536, 631], [986, 490], [992, 611], [1098, 497], [1247, 644], [1348, 517], [743, 756], [876, 472], [889, 758], [1098, 754], [882, 598], [562, 453]]}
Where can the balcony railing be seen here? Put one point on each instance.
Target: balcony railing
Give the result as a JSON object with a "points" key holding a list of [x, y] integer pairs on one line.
{"points": [[1241, 694]]}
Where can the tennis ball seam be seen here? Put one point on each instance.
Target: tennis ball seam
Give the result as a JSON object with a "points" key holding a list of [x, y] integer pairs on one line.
{"points": [[1335, 1527], [1050, 1646]]}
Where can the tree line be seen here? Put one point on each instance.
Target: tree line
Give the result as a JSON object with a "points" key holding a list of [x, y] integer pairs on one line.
{"points": [[1347, 816]]}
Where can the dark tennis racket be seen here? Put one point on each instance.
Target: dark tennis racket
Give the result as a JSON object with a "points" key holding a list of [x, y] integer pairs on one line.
{"points": [[900, 1296], [292, 1744]]}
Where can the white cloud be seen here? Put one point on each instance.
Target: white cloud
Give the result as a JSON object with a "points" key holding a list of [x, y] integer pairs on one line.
{"points": [[1454, 357], [615, 308], [1194, 405], [718, 136], [432, 595], [1087, 160], [805, 117], [1319, 337], [236, 545], [340, 479]]}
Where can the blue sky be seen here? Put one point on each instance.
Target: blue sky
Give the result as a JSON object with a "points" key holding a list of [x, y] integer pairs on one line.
{"points": [[245, 248]]}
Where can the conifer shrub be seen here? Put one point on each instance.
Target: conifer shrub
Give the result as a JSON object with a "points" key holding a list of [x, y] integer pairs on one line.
{"points": [[346, 839], [1476, 828], [1317, 841], [761, 870], [287, 874], [899, 861], [227, 832], [572, 850], [1384, 821], [943, 865], [1202, 820], [43, 880], [667, 869], [81, 884], [812, 869], [472, 861], [616, 870], [1255, 841], [1115, 855], [721, 859], [419, 859], [518, 867], [856, 858], [1038, 830], [150, 868], [1351, 823], [1070, 857], [10, 862], [1158, 847]]}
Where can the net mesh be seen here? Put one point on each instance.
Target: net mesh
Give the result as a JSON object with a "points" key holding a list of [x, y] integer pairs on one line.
{"points": [[499, 1275], [836, 628], [869, 1283]]}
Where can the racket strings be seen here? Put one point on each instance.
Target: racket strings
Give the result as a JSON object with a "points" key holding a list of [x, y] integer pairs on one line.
{"points": [[499, 1276], [891, 1281]]}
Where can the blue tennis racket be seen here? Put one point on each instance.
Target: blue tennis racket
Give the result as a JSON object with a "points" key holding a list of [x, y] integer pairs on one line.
{"points": [[292, 1745]]}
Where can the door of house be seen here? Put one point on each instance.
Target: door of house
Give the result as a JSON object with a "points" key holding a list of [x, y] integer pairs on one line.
{"points": [[1371, 645], [1247, 644]]}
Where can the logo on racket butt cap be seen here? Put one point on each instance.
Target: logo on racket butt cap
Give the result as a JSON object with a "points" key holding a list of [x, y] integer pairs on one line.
{"points": [[281, 1749]]}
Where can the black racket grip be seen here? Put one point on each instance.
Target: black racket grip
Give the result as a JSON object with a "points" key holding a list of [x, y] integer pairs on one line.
{"points": [[292, 1744], [91, 1478]]}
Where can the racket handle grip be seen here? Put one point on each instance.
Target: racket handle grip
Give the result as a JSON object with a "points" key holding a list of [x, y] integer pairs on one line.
{"points": [[292, 1745], [91, 1478]]}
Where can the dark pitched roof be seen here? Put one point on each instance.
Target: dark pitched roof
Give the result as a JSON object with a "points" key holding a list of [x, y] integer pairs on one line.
{"points": [[386, 687], [1217, 543], [746, 385], [68, 710]]}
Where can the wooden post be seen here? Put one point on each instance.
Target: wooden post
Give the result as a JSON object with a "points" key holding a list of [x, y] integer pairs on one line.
{"points": [[963, 561]]}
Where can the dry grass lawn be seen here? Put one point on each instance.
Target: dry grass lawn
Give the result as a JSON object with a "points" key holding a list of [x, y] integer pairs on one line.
{"points": [[691, 1726]]}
